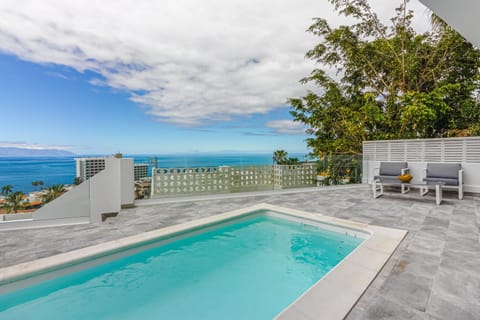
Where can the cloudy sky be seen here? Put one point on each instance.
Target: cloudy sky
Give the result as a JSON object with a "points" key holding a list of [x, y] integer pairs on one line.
{"points": [[157, 76]]}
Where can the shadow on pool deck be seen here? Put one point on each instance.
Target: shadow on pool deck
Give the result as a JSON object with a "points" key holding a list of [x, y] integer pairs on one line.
{"points": [[432, 275]]}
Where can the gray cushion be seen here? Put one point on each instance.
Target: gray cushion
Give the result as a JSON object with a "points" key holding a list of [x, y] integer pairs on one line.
{"points": [[387, 179], [448, 181], [392, 168], [443, 170]]}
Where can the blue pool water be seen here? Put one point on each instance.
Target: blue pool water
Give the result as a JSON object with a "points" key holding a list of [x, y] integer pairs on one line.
{"points": [[251, 269]]}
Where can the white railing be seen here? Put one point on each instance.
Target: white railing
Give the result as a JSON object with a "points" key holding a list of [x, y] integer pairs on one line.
{"points": [[226, 179], [190, 180], [294, 176], [419, 152], [250, 178]]}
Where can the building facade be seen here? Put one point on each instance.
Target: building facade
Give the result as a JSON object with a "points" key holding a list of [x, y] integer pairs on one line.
{"points": [[88, 167], [140, 171]]}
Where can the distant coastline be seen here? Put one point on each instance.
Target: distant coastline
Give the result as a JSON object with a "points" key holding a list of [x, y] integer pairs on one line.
{"points": [[25, 152]]}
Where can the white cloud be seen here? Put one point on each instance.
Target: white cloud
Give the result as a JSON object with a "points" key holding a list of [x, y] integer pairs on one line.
{"points": [[32, 146], [286, 127], [188, 61], [56, 75]]}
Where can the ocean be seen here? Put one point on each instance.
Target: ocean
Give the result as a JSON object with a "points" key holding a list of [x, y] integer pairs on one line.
{"points": [[21, 171]]}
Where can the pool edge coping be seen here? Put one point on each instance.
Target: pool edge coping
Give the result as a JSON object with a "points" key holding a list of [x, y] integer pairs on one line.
{"points": [[336, 293], [365, 262]]}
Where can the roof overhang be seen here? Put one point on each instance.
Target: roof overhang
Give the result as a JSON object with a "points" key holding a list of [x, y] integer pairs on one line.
{"points": [[462, 15]]}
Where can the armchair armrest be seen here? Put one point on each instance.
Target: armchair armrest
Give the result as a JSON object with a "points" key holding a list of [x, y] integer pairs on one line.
{"points": [[376, 171], [405, 171], [460, 184]]}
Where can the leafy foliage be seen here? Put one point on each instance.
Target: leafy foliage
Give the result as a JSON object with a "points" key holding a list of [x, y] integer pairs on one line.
{"points": [[7, 189], [391, 82], [15, 202], [38, 183], [340, 169], [53, 192], [281, 157]]}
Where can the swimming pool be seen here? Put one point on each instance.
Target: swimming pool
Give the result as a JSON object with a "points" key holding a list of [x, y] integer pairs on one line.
{"points": [[249, 266]]}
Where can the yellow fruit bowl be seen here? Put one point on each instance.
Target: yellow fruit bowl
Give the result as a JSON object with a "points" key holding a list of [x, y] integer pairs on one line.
{"points": [[405, 178]]}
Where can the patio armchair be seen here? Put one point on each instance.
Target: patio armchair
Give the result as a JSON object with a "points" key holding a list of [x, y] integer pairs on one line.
{"points": [[389, 172], [449, 173]]}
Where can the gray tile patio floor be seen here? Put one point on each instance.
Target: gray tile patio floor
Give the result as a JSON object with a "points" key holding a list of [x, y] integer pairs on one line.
{"points": [[434, 274]]}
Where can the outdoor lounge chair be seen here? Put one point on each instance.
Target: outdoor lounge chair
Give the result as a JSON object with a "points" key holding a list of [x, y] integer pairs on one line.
{"points": [[389, 172], [449, 173]]}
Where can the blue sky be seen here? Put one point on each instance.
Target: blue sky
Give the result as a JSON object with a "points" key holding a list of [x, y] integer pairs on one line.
{"points": [[171, 76], [49, 105]]}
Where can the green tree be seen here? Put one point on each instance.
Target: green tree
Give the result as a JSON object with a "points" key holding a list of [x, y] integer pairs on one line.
{"points": [[280, 156], [7, 189], [340, 169], [292, 161], [37, 183], [53, 192], [15, 202], [391, 82]]}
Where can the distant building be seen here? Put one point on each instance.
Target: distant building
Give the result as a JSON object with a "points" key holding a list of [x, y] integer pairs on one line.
{"points": [[88, 167], [140, 171]]}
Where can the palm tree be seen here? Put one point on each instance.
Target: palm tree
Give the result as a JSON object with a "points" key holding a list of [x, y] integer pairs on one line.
{"points": [[58, 188], [6, 190], [53, 192], [15, 201], [37, 183], [280, 157]]}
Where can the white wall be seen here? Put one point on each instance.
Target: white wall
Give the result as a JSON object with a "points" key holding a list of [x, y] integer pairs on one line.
{"points": [[103, 193], [72, 204], [72, 207], [105, 190], [127, 182], [112, 188]]}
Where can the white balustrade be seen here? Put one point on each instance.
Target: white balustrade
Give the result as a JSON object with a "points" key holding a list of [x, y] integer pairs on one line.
{"points": [[226, 179]]}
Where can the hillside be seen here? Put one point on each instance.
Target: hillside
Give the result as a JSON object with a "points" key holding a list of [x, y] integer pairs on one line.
{"points": [[23, 152]]}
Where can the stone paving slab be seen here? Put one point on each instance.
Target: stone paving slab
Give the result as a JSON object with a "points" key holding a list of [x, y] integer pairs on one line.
{"points": [[434, 273]]}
